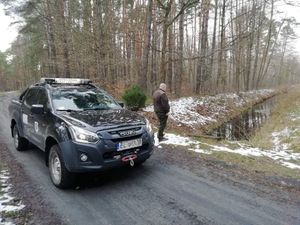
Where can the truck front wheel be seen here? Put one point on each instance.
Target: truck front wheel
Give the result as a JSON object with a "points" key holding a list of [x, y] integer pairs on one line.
{"points": [[20, 143], [59, 174]]}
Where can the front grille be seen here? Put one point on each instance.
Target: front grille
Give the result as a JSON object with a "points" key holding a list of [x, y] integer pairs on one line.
{"points": [[129, 130], [126, 138]]}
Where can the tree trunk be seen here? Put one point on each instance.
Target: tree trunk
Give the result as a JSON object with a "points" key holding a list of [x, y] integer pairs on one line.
{"points": [[180, 52], [66, 61], [221, 79], [144, 70]]}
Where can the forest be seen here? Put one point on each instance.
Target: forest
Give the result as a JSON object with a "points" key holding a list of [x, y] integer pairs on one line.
{"points": [[194, 46]]}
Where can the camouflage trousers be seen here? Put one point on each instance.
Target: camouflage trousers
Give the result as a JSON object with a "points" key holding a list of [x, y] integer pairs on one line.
{"points": [[162, 117]]}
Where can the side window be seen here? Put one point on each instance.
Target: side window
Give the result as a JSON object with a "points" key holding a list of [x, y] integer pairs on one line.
{"points": [[21, 98], [43, 97], [31, 97]]}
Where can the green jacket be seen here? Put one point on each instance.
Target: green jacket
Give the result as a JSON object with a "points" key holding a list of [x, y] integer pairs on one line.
{"points": [[161, 101]]}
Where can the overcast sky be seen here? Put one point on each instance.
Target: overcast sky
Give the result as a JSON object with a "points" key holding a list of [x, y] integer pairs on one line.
{"points": [[8, 33], [292, 11]]}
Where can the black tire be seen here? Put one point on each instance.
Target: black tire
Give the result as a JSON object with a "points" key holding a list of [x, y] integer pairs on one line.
{"points": [[59, 174], [21, 143]]}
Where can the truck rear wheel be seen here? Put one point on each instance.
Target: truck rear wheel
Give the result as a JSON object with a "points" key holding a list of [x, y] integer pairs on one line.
{"points": [[59, 174], [20, 143]]}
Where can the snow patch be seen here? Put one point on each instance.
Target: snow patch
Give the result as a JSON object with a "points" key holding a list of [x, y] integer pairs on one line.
{"points": [[7, 202], [294, 117], [278, 136], [192, 111], [291, 165], [281, 135], [173, 139], [282, 155], [184, 111]]}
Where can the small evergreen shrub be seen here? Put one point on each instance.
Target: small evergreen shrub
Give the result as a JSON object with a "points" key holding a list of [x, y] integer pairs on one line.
{"points": [[134, 98]]}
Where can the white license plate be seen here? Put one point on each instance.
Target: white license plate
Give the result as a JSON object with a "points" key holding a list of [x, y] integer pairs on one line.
{"points": [[123, 145]]}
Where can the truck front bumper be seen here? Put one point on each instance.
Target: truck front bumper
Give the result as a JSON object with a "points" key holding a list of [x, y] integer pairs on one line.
{"points": [[81, 158]]}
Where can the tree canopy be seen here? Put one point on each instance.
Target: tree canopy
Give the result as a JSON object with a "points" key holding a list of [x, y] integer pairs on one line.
{"points": [[194, 46]]}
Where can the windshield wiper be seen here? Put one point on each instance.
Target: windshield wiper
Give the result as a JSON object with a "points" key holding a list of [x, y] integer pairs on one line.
{"points": [[69, 110], [88, 109]]}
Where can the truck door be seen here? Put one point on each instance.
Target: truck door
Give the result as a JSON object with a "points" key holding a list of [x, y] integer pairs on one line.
{"points": [[42, 121], [30, 99]]}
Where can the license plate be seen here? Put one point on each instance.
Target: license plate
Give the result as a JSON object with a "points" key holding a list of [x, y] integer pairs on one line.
{"points": [[123, 145]]}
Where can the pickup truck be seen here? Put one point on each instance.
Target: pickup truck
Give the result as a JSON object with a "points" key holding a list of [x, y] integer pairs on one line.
{"points": [[80, 127]]}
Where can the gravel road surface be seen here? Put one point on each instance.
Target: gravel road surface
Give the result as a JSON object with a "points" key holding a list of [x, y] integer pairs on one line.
{"points": [[155, 193]]}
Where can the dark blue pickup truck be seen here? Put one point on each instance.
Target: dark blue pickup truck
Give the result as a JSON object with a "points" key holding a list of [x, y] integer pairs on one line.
{"points": [[79, 127]]}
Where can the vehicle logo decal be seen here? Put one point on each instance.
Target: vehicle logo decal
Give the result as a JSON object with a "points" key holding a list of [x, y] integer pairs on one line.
{"points": [[36, 127], [25, 118]]}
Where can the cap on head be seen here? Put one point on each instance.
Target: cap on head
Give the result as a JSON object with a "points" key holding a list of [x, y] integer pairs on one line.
{"points": [[163, 86]]}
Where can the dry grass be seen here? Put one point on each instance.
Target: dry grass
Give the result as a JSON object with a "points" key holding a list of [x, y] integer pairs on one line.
{"points": [[287, 108], [257, 164]]}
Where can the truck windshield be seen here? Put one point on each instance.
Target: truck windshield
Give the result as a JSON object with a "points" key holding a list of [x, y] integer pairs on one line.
{"points": [[80, 99]]}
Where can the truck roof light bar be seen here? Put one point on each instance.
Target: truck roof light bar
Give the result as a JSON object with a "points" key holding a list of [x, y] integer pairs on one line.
{"points": [[65, 81]]}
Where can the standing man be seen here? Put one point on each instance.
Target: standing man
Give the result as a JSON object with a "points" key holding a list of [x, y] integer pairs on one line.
{"points": [[161, 109]]}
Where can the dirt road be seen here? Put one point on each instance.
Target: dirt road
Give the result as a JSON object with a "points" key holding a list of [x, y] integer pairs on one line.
{"points": [[158, 192]]}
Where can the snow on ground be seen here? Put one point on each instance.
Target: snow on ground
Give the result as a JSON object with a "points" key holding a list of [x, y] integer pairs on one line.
{"points": [[278, 136], [294, 117], [7, 202], [280, 153], [183, 111], [192, 111], [173, 139]]}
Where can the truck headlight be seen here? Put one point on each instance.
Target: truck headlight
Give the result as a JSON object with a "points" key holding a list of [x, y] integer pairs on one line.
{"points": [[148, 126], [83, 136]]}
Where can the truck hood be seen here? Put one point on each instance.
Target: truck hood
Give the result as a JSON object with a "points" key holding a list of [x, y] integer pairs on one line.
{"points": [[104, 118]]}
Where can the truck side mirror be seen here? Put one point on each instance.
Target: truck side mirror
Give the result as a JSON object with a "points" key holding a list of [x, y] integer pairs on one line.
{"points": [[37, 109], [121, 104]]}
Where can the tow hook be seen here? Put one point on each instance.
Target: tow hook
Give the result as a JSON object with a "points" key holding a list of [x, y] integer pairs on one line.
{"points": [[129, 158], [131, 163]]}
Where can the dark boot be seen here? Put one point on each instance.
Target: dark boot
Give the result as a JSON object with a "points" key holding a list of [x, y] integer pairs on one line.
{"points": [[162, 139]]}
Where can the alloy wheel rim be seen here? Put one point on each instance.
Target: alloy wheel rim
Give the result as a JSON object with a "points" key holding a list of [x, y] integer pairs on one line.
{"points": [[55, 168], [16, 139]]}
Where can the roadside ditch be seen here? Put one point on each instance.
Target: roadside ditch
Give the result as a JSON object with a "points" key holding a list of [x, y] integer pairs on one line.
{"points": [[223, 128]]}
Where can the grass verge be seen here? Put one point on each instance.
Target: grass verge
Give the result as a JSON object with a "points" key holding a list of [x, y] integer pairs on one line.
{"points": [[281, 129], [257, 164], [285, 116]]}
